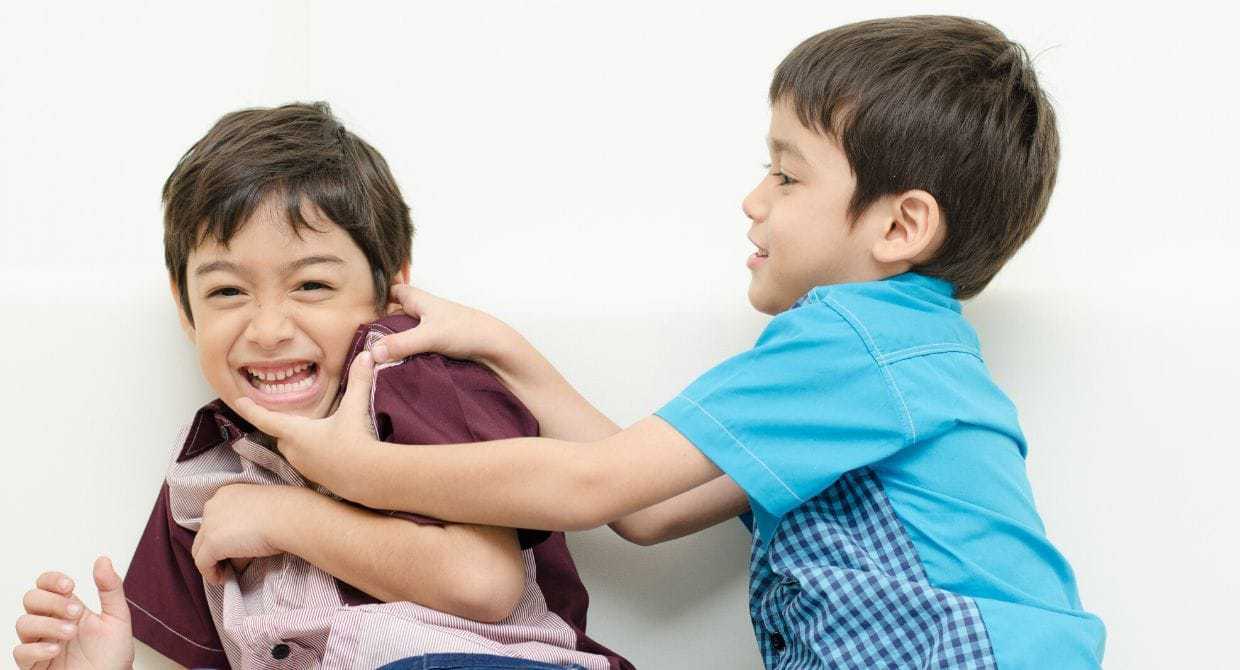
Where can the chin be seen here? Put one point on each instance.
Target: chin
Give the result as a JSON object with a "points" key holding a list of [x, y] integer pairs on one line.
{"points": [[763, 303]]}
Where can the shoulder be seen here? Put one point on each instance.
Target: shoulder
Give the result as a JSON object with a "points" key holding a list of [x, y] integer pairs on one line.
{"points": [[454, 400], [430, 371], [908, 314]]}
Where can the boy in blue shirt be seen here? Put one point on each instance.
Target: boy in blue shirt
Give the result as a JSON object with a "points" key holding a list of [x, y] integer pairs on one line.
{"points": [[894, 525]]}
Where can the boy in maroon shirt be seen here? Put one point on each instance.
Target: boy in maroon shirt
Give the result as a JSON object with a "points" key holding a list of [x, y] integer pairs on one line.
{"points": [[282, 232]]}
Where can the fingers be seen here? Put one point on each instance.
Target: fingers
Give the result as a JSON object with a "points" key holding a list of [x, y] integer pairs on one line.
{"points": [[212, 572], [57, 582], [412, 300], [272, 423], [406, 343], [46, 603], [30, 655], [205, 559], [356, 400], [33, 628], [111, 590]]}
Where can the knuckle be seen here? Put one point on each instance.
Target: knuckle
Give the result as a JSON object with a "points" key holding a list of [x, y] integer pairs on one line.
{"points": [[31, 599]]}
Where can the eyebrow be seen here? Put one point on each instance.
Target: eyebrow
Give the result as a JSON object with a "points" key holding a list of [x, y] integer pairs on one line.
{"points": [[287, 268], [779, 146]]}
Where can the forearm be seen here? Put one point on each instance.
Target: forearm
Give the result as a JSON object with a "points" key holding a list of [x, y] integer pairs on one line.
{"points": [[528, 482], [694, 510], [394, 559], [562, 412]]}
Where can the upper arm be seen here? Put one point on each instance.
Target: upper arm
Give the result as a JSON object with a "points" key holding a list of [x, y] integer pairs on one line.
{"points": [[785, 419]]}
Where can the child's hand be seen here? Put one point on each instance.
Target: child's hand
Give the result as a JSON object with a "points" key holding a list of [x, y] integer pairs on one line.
{"points": [[333, 451], [445, 327], [58, 632], [231, 529]]}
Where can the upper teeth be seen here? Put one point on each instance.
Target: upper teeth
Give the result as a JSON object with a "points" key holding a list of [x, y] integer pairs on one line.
{"points": [[277, 375]]}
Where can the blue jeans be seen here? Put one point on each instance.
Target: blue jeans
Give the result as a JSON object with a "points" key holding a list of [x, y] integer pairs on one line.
{"points": [[472, 662]]}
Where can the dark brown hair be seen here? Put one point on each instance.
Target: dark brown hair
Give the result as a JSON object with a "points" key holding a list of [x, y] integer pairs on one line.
{"points": [[302, 154], [944, 104]]}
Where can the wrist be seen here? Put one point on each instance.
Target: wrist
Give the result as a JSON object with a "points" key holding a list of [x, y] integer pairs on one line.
{"points": [[514, 359], [352, 476], [288, 509], [500, 345]]}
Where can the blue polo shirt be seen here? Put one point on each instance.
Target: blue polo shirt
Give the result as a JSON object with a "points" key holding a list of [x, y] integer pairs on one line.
{"points": [[894, 523]]}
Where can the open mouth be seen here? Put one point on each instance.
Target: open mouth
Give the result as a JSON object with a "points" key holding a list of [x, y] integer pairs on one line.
{"points": [[757, 258], [283, 381]]}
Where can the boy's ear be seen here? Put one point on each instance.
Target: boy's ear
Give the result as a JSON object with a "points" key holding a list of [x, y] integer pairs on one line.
{"points": [[912, 231], [401, 277], [186, 326]]}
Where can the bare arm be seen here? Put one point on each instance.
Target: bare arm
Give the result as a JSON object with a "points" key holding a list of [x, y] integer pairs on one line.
{"points": [[520, 483], [697, 509], [474, 572], [562, 412]]}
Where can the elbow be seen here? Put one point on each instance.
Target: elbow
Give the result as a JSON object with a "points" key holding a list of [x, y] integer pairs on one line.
{"points": [[490, 598], [644, 535]]}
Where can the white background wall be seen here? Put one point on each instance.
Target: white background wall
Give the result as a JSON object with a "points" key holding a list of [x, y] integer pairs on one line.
{"points": [[577, 169]]}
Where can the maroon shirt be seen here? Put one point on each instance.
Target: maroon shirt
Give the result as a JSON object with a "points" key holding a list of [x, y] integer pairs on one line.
{"points": [[430, 400]]}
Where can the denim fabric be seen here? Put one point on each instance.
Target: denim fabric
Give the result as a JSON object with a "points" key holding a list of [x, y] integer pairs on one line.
{"points": [[472, 661]]}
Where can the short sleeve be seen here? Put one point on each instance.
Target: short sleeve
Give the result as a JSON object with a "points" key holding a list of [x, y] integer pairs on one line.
{"points": [[788, 417], [166, 596]]}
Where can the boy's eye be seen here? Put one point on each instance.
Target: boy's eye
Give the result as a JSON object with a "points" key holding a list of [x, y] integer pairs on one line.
{"points": [[314, 286], [784, 180], [224, 292]]}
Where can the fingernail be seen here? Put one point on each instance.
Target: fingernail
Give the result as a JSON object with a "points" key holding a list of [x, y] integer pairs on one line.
{"points": [[380, 352], [64, 585], [67, 629], [74, 609], [52, 648]]}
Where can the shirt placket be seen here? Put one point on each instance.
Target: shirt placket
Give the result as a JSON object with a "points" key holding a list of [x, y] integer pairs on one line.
{"points": [[769, 597]]}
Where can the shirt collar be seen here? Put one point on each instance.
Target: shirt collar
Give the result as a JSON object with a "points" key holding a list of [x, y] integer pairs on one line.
{"points": [[214, 424], [942, 290], [939, 286]]}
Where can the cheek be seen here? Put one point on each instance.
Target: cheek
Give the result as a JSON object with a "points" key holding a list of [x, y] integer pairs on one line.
{"points": [[214, 345], [332, 332]]}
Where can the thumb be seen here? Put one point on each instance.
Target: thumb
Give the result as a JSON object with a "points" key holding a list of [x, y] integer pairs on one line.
{"points": [[356, 400], [414, 302], [272, 423], [111, 590]]}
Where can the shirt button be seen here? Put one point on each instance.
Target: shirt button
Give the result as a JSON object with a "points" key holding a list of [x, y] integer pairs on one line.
{"points": [[224, 433], [777, 643], [280, 651]]}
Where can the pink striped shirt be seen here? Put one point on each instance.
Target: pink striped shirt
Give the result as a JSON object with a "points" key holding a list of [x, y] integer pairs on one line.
{"points": [[283, 612]]}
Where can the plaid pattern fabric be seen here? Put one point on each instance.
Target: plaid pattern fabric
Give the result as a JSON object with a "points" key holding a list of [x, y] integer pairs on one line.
{"points": [[840, 586]]}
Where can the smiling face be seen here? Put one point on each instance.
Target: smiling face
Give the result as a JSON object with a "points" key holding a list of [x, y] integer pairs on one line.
{"points": [[275, 310], [799, 217]]}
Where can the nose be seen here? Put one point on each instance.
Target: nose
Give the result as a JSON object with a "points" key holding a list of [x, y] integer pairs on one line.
{"points": [[270, 327], [755, 204]]}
